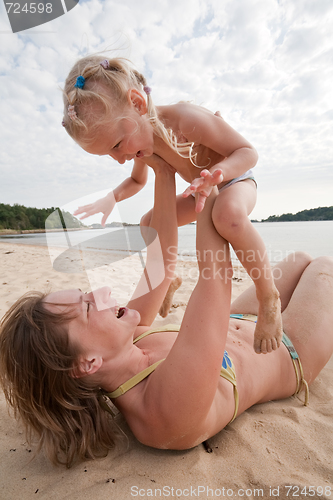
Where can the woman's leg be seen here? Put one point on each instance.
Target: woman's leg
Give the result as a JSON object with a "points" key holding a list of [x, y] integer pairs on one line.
{"points": [[308, 318], [230, 217], [286, 274]]}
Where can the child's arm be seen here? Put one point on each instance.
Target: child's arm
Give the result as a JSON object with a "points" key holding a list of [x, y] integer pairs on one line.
{"points": [[133, 184], [201, 126], [128, 188]]}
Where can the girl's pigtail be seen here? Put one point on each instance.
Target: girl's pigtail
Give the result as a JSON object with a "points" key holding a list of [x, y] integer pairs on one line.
{"points": [[73, 97], [80, 81], [105, 64], [151, 108]]}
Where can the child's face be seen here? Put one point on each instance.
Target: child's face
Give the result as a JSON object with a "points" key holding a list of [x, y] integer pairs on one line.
{"points": [[125, 136]]}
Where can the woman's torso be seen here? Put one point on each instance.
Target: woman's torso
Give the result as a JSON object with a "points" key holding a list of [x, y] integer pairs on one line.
{"points": [[256, 376]]}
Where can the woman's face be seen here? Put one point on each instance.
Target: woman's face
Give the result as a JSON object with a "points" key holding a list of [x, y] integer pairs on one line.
{"points": [[100, 327], [128, 135]]}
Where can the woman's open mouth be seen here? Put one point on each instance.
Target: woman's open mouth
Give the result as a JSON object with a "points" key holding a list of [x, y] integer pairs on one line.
{"points": [[121, 312]]}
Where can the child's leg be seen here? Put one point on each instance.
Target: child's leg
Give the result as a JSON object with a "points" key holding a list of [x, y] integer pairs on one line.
{"points": [[185, 212], [167, 302], [185, 215], [230, 217]]}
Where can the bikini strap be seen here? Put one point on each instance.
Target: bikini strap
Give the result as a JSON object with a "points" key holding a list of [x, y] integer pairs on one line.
{"points": [[246, 317], [300, 380], [132, 382], [228, 373], [166, 328]]}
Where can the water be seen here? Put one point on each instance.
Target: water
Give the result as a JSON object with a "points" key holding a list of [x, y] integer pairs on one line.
{"points": [[281, 238]]}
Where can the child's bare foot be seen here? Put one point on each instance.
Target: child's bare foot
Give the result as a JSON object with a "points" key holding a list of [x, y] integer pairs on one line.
{"points": [[167, 302], [268, 332]]}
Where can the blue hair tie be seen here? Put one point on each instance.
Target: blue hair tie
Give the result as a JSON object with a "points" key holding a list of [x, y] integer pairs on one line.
{"points": [[80, 81]]}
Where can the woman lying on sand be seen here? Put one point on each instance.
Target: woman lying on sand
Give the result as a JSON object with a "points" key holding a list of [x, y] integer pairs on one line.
{"points": [[64, 353]]}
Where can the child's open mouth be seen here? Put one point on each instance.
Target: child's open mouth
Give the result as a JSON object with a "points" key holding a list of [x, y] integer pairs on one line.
{"points": [[139, 154]]}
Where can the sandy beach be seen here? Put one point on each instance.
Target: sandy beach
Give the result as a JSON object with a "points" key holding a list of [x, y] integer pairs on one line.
{"points": [[272, 450]]}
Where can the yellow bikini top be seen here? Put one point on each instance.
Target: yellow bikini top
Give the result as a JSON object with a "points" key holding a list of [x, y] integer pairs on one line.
{"points": [[133, 381], [227, 371]]}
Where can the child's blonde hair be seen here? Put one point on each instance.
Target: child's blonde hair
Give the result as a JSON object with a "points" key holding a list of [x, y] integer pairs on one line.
{"points": [[105, 85]]}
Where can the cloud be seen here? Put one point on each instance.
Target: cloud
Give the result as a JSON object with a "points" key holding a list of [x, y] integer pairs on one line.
{"points": [[265, 64]]}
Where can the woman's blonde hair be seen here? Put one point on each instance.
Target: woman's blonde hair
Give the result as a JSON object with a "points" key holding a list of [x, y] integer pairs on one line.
{"points": [[105, 87], [36, 365]]}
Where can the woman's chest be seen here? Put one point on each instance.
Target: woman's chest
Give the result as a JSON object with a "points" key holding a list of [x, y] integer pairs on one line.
{"points": [[157, 344]]}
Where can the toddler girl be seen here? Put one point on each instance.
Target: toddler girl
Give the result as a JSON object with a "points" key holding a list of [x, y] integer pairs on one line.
{"points": [[109, 111]]}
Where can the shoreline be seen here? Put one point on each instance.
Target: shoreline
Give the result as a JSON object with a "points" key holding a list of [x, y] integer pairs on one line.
{"points": [[4, 232], [113, 225]]}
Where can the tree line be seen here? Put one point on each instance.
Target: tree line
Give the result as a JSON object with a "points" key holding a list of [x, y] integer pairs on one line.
{"points": [[314, 214], [21, 218]]}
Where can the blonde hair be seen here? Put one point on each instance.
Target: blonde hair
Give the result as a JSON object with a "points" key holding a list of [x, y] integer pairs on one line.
{"points": [[36, 363], [106, 84]]}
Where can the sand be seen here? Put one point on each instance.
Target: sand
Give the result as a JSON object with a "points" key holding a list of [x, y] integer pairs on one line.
{"points": [[272, 450]]}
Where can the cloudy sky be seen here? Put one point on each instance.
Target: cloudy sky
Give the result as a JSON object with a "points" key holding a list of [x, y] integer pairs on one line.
{"points": [[267, 65]]}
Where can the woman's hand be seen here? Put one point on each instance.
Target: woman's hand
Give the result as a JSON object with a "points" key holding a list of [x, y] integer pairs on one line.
{"points": [[104, 205], [203, 186], [159, 165]]}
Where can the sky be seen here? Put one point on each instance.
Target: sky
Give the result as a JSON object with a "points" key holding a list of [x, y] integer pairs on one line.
{"points": [[266, 65]]}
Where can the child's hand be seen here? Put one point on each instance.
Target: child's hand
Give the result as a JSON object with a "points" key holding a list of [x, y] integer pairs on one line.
{"points": [[203, 186], [104, 205]]}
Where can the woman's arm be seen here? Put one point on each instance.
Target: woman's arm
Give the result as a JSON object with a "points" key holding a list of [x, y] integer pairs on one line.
{"points": [[180, 394], [162, 239]]}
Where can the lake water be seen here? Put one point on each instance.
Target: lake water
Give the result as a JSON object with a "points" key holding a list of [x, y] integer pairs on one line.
{"points": [[281, 238]]}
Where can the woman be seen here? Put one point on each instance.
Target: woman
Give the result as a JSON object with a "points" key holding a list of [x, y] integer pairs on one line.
{"points": [[59, 353]]}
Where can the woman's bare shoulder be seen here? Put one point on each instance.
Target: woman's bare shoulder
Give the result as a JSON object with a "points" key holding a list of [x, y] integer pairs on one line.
{"points": [[140, 330]]}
